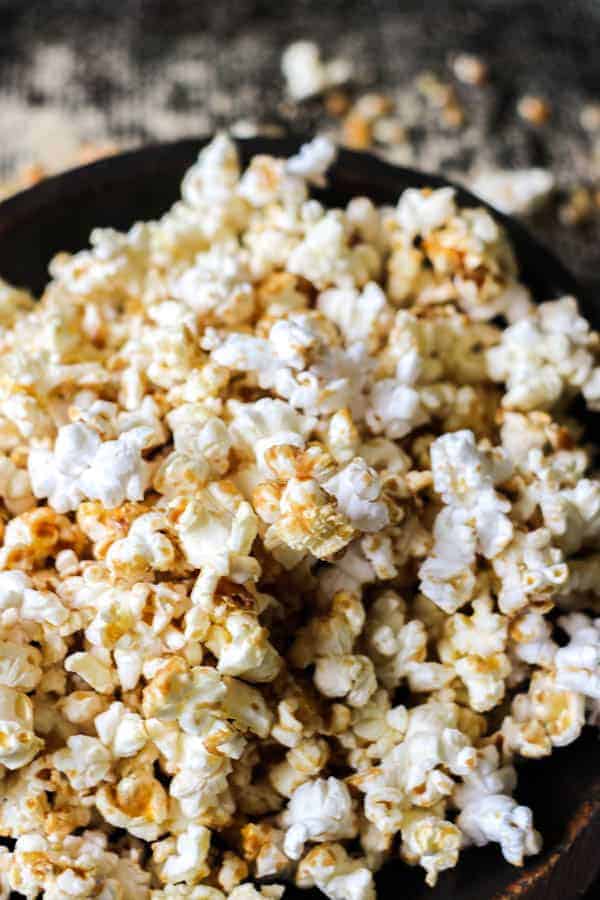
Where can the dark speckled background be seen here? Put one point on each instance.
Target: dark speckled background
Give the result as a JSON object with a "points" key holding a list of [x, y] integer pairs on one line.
{"points": [[139, 70]]}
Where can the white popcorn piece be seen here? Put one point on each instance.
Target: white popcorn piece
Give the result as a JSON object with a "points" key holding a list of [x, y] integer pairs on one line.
{"points": [[138, 803], [431, 842], [357, 490], [326, 258], [145, 548], [545, 717], [420, 212], [495, 817], [466, 477], [302, 762], [398, 647], [19, 666], [216, 529], [489, 813], [318, 811], [93, 668], [475, 646], [121, 730], [312, 160], [350, 676], [183, 859], [544, 356], [82, 466], [19, 742], [529, 567], [305, 72], [85, 761], [447, 575], [515, 191], [361, 316], [578, 664], [337, 875], [15, 487]]}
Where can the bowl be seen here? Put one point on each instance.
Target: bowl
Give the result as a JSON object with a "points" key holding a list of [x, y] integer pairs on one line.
{"points": [[59, 213]]}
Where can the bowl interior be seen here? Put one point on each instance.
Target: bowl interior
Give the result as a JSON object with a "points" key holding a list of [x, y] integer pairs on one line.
{"points": [[59, 214]]}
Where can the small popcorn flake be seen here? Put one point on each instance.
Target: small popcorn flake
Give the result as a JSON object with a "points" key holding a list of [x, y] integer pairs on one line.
{"points": [[533, 109], [265, 468], [470, 69]]}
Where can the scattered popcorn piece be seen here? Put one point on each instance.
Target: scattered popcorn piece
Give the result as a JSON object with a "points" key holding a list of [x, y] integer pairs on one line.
{"points": [[470, 69], [306, 74], [534, 109], [518, 191]]}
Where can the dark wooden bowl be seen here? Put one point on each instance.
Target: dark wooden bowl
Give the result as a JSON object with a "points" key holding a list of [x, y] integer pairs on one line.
{"points": [[59, 213]]}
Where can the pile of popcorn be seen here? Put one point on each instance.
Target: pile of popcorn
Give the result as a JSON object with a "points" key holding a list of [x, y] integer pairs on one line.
{"points": [[300, 548]]}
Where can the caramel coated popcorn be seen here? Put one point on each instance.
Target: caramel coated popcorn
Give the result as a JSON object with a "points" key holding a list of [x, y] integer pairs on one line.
{"points": [[300, 547]]}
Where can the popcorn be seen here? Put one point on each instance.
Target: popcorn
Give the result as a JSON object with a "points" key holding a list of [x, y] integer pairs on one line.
{"points": [[302, 762], [19, 742], [145, 548], [15, 488], [85, 762], [121, 730], [349, 676], [82, 466], [430, 841], [93, 668], [325, 256], [398, 647], [543, 718], [475, 646], [183, 859], [420, 212], [488, 814], [339, 877], [264, 464], [578, 664], [519, 191], [357, 489], [19, 666], [138, 803], [363, 316], [545, 356], [306, 74], [307, 521], [319, 811], [530, 567], [312, 160]]}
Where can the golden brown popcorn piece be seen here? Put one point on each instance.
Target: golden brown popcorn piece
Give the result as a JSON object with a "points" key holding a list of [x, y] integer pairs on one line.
{"points": [[104, 526], [39, 534]]}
